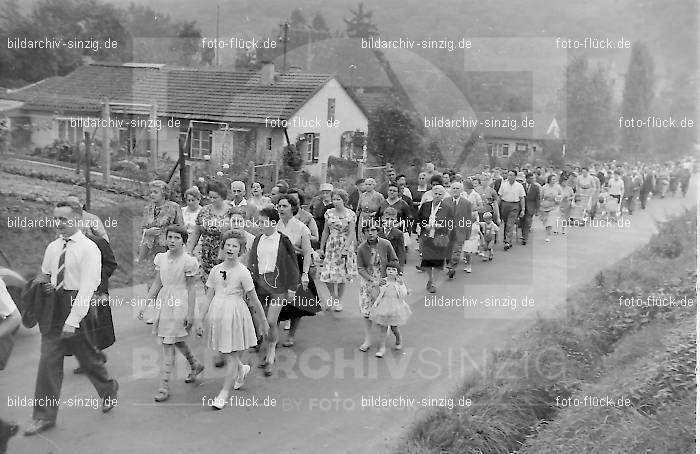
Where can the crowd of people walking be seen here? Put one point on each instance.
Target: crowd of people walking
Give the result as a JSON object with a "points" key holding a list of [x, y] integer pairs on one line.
{"points": [[263, 256]]}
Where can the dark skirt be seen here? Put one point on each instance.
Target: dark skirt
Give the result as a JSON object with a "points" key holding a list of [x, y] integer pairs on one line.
{"points": [[306, 303], [433, 254]]}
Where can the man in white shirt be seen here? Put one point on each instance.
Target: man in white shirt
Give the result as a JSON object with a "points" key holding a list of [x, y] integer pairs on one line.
{"points": [[238, 192], [512, 196], [616, 188], [71, 273], [9, 321]]}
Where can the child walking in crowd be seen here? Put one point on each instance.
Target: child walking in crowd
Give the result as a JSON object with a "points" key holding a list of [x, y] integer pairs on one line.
{"points": [[471, 245], [390, 308], [489, 231], [174, 292], [229, 325]]}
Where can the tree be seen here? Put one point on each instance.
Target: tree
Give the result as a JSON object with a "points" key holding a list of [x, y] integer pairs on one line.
{"points": [[394, 135], [360, 25], [587, 96], [297, 19], [190, 39], [319, 23], [672, 143], [637, 98]]}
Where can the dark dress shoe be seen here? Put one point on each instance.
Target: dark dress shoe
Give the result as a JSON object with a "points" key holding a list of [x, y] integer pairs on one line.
{"points": [[267, 370], [38, 426], [110, 400]]}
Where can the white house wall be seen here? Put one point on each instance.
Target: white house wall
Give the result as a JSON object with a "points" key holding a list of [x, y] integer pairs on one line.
{"points": [[347, 113]]}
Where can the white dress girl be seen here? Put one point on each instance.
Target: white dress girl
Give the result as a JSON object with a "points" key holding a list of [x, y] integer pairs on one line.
{"points": [[230, 325]]}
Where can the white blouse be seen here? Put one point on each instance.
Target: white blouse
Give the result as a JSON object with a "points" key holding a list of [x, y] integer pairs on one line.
{"points": [[295, 231], [267, 252]]}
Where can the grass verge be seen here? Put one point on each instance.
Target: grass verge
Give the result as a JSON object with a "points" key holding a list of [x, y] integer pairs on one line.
{"points": [[604, 347]]}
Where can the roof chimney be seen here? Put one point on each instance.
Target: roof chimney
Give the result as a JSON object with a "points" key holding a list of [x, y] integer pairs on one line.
{"points": [[267, 73]]}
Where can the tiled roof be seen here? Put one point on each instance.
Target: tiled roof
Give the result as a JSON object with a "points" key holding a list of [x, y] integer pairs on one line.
{"points": [[178, 92]]}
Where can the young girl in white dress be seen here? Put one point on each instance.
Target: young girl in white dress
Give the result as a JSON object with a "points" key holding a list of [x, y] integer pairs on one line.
{"points": [[173, 291], [390, 308], [227, 316], [471, 246]]}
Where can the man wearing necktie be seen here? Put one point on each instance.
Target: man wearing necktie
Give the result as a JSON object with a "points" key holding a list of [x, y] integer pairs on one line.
{"points": [[71, 272]]}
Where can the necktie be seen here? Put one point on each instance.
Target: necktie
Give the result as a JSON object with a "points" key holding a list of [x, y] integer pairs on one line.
{"points": [[62, 265]]}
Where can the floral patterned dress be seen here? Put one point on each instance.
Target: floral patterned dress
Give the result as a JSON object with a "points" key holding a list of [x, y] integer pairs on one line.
{"points": [[339, 267], [368, 290], [212, 226], [369, 206]]}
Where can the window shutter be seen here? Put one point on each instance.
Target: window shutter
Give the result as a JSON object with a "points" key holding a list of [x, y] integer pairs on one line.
{"points": [[315, 148]]}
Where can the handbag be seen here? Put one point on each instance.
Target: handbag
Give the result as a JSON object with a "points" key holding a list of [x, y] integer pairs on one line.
{"points": [[441, 240]]}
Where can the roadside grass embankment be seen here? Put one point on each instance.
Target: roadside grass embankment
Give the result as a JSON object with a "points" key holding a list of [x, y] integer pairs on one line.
{"points": [[619, 339]]}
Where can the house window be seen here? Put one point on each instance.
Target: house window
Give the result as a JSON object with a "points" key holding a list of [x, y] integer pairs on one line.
{"points": [[331, 110], [268, 144], [520, 146], [311, 147], [68, 133], [504, 150], [201, 143]]}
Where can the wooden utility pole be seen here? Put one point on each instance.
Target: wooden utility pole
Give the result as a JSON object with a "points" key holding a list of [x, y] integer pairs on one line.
{"points": [[106, 152], [285, 39], [88, 146], [153, 138]]}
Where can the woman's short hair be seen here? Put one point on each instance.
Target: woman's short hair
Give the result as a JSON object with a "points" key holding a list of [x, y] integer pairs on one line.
{"points": [[160, 184], [289, 198], [180, 230], [238, 235], [262, 186], [282, 184], [218, 187], [271, 213], [551, 175], [300, 195], [342, 193], [436, 179], [194, 192]]}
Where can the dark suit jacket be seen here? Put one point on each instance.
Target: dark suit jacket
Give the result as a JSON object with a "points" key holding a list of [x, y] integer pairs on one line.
{"points": [[39, 308], [109, 262], [354, 199], [532, 199], [286, 265], [462, 218], [395, 237]]}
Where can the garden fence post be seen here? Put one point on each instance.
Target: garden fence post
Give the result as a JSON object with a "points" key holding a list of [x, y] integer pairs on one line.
{"points": [[153, 138], [106, 155]]}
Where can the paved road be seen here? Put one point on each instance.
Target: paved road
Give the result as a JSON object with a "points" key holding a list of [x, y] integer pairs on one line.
{"points": [[320, 383]]}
